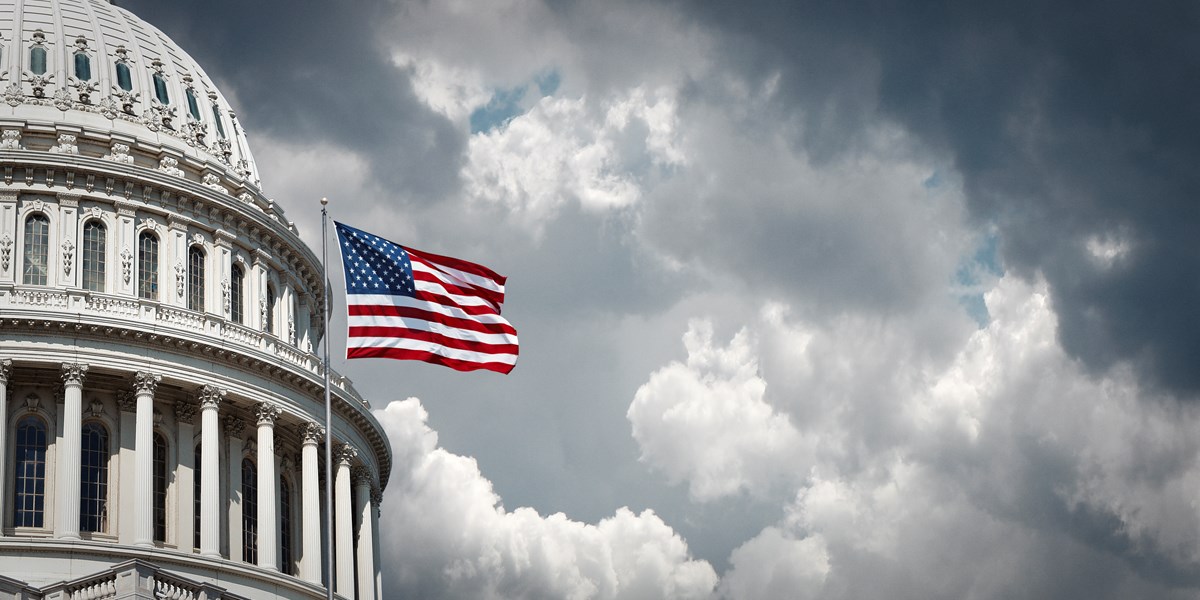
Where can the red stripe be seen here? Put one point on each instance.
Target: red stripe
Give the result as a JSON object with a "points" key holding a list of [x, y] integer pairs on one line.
{"points": [[496, 298], [387, 310], [429, 357], [429, 336], [455, 263], [470, 309]]}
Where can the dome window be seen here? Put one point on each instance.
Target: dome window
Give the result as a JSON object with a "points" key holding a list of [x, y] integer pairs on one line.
{"points": [[37, 60], [195, 274], [160, 89], [93, 501], [249, 511], [217, 119], [83, 66], [124, 79], [160, 487], [83, 62], [148, 266], [193, 106], [29, 476], [237, 281]]}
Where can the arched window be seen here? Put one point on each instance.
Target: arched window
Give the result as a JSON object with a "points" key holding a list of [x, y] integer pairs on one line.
{"points": [[193, 105], [94, 247], [269, 325], [160, 89], [148, 265], [160, 487], [93, 488], [37, 249], [249, 511], [196, 499], [29, 474], [285, 523], [37, 60], [195, 271], [124, 79], [83, 66], [237, 281]]}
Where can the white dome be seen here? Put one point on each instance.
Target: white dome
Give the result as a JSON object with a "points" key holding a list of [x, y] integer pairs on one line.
{"points": [[104, 67]]}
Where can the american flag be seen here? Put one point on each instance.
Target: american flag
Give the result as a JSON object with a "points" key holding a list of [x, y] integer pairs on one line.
{"points": [[408, 304]]}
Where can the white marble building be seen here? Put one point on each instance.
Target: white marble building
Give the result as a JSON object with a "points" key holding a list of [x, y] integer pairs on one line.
{"points": [[160, 398]]}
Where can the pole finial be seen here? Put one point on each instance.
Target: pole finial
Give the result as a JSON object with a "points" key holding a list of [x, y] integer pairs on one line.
{"points": [[324, 201]]}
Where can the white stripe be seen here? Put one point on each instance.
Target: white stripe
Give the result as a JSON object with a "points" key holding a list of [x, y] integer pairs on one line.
{"points": [[409, 302], [407, 344], [464, 276], [459, 299], [423, 325]]}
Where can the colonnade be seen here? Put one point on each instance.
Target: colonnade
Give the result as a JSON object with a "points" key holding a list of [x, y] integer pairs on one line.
{"points": [[356, 496]]}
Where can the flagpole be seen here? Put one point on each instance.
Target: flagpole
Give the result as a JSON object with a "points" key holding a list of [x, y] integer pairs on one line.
{"points": [[328, 405]]}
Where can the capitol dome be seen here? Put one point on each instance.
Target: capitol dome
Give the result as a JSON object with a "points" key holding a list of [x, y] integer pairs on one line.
{"points": [[161, 404]]}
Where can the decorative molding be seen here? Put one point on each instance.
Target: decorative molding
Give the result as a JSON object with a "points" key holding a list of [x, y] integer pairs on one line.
{"points": [[345, 454], [185, 411], [73, 373], [170, 166], [262, 313], [312, 433], [233, 425], [126, 402], [180, 276], [213, 182], [5, 371], [32, 403], [267, 413], [10, 139], [36, 205], [145, 382], [149, 223], [360, 475], [6, 246], [119, 153], [126, 264], [197, 239], [211, 396], [376, 498], [66, 144], [96, 408], [68, 248]]}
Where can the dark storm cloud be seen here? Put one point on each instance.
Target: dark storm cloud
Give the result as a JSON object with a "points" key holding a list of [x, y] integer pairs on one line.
{"points": [[1070, 122], [315, 72]]}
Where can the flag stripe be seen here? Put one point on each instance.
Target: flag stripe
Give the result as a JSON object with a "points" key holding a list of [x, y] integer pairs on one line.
{"points": [[411, 312], [429, 357], [471, 272], [424, 346], [426, 278], [484, 347], [419, 324]]}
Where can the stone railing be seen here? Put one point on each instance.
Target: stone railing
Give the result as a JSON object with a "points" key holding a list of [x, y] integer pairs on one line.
{"points": [[147, 315]]}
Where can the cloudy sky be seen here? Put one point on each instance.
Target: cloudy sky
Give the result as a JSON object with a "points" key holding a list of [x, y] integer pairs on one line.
{"points": [[816, 299]]}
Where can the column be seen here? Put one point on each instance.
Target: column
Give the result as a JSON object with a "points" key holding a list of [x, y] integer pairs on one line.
{"points": [[376, 502], [344, 521], [210, 523], [143, 458], [310, 501], [5, 373], [185, 482], [233, 435], [127, 405], [366, 543], [267, 532], [66, 511]]}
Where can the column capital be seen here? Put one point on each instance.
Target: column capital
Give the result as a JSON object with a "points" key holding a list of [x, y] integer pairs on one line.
{"points": [[312, 433], [376, 497], [5, 370], [185, 411], [361, 475], [345, 454], [267, 413], [234, 426], [210, 396], [73, 373], [145, 382]]}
